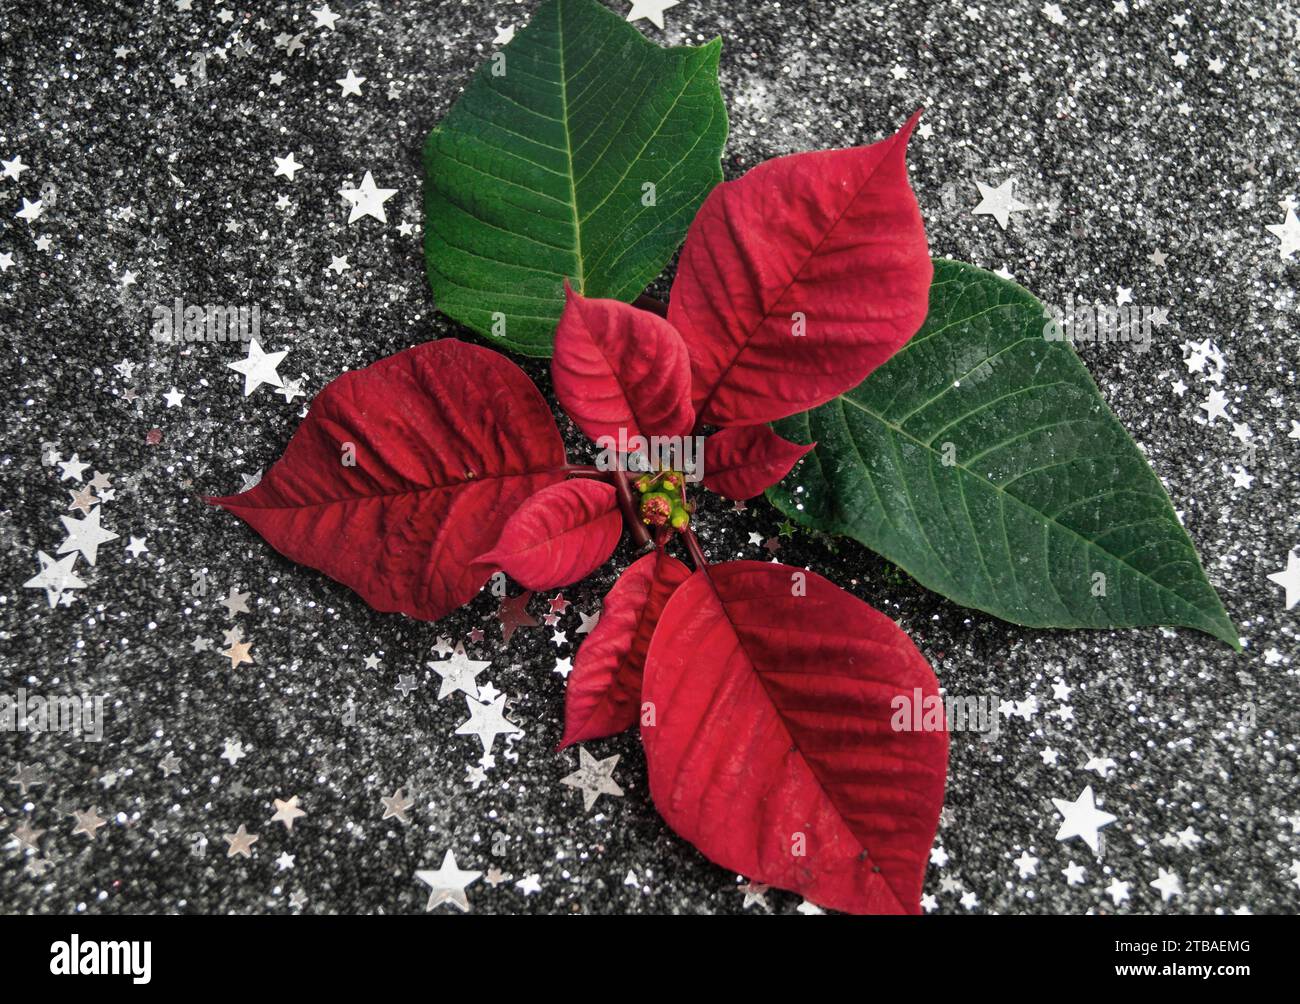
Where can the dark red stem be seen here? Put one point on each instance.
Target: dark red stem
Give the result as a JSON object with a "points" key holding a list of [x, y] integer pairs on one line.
{"points": [[696, 552], [623, 489], [646, 302]]}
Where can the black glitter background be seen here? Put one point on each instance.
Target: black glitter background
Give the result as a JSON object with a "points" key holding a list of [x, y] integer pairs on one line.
{"points": [[1118, 150]]}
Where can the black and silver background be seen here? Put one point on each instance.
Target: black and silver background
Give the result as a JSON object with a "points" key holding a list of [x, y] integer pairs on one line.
{"points": [[175, 185]]}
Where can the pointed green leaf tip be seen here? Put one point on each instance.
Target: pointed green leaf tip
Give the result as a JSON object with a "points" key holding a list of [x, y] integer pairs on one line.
{"points": [[983, 460], [581, 150]]}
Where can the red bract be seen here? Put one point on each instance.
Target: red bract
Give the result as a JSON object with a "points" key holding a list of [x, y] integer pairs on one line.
{"points": [[560, 535], [604, 694], [405, 472], [799, 279], [771, 749], [619, 369], [745, 461], [764, 692]]}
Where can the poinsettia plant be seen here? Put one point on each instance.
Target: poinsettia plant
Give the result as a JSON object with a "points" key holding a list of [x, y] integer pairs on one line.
{"points": [[970, 452], [763, 692]]}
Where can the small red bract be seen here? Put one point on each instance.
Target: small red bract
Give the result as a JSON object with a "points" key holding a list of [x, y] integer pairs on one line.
{"points": [[618, 369], [560, 535], [746, 460], [604, 694]]}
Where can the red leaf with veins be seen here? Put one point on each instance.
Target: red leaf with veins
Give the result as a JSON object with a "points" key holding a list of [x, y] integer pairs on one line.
{"points": [[834, 236], [559, 535], [449, 439], [604, 693], [744, 461], [774, 721], [616, 367]]}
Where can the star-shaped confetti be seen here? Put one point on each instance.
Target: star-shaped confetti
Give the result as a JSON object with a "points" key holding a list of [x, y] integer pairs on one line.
{"points": [[447, 884], [351, 84], [259, 367], [325, 18], [1288, 234], [651, 10], [54, 577], [234, 752], [1289, 580], [13, 168], [593, 777], [27, 777], [998, 202], [72, 470], [368, 200], [514, 615], [1082, 819], [1169, 884], [240, 842], [459, 673], [1215, 406], [87, 823], [487, 720], [287, 811], [235, 602], [286, 166], [239, 653], [85, 535], [396, 805]]}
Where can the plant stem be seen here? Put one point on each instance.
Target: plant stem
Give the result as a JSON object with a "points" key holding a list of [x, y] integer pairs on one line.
{"points": [[622, 488], [581, 469], [651, 304], [696, 552]]}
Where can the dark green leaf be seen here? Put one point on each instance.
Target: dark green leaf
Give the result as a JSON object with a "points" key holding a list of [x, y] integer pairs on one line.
{"points": [[540, 171], [982, 459]]}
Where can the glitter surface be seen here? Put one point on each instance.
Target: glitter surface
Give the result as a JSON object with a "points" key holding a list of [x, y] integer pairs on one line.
{"points": [[198, 152]]}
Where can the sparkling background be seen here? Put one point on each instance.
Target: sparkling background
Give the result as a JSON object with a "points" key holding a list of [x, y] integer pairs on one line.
{"points": [[1129, 129]]}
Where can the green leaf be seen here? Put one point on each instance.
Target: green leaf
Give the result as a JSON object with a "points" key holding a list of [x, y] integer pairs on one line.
{"points": [[540, 171], [982, 459]]}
